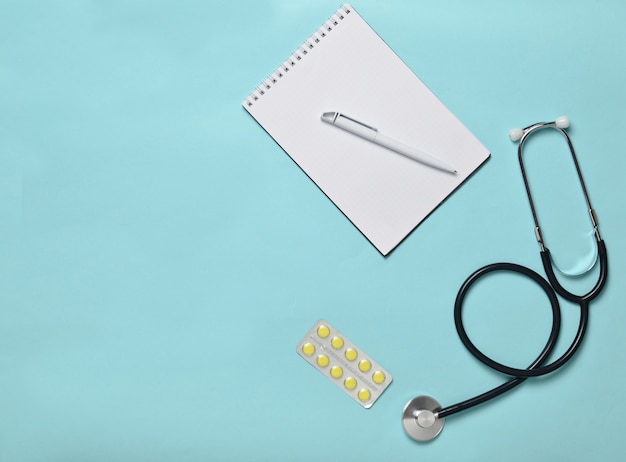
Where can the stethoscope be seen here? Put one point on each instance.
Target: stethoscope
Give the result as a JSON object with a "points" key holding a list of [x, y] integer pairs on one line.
{"points": [[423, 417]]}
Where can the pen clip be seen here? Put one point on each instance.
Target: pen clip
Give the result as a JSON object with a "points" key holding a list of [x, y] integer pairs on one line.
{"points": [[357, 122]]}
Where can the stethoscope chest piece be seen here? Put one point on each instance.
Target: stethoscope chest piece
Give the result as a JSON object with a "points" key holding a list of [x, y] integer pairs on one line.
{"points": [[420, 419]]}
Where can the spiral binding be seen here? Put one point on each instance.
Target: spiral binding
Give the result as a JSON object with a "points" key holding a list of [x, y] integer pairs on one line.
{"points": [[308, 45]]}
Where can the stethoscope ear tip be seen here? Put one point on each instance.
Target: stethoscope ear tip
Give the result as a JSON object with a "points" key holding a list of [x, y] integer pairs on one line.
{"points": [[516, 134], [420, 419], [562, 122]]}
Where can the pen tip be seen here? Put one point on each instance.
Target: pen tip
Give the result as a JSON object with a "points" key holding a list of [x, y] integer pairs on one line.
{"points": [[329, 117]]}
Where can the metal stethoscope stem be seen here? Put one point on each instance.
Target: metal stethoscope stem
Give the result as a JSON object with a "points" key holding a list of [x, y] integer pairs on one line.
{"points": [[423, 417], [559, 126]]}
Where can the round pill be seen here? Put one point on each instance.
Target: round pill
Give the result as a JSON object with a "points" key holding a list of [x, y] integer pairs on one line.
{"points": [[336, 372], [308, 349], [336, 342], [322, 360], [351, 354], [350, 383], [378, 377], [323, 331], [365, 365], [364, 394]]}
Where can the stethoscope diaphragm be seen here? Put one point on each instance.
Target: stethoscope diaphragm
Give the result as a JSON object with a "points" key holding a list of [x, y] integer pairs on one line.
{"points": [[420, 419]]}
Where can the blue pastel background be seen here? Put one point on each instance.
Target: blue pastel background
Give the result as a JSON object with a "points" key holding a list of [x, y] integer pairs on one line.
{"points": [[161, 256]]}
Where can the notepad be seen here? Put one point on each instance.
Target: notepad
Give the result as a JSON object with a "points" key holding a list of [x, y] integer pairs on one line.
{"points": [[346, 67]]}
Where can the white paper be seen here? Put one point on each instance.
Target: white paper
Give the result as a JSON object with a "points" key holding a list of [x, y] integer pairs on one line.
{"points": [[353, 71]]}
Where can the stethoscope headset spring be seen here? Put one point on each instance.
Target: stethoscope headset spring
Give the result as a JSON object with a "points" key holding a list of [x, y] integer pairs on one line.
{"points": [[423, 417]]}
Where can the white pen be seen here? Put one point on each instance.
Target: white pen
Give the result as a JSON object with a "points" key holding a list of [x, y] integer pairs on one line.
{"points": [[371, 134]]}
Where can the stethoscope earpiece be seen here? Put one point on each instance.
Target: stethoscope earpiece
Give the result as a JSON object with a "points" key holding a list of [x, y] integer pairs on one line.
{"points": [[420, 419], [562, 122], [517, 133]]}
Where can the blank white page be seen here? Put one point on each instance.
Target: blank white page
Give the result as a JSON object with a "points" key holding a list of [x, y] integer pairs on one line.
{"points": [[346, 67]]}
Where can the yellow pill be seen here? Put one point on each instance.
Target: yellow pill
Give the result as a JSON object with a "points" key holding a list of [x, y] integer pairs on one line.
{"points": [[378, 377], [365, 365], [336, 342], [336, 371], [364, 394], [323, 331], [322, 360], [350, 383], [351, 354], [308, 349]]}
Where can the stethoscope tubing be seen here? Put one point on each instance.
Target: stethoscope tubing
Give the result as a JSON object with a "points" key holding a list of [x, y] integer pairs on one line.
{"points": [[458, 320], [537, 368], [546, 259]]}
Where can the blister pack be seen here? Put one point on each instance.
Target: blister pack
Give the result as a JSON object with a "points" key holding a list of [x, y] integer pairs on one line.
{"points": [[346, 365]]}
